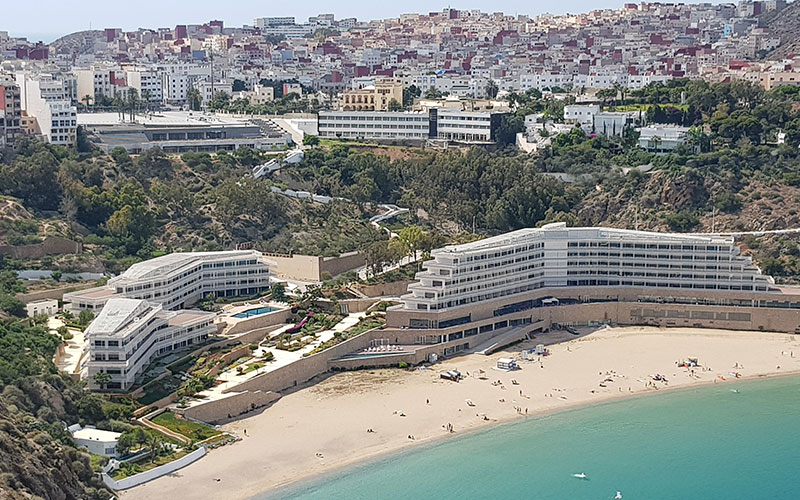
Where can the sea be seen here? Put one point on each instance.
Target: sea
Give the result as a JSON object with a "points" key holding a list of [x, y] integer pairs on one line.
{"points": [[728, 441]]}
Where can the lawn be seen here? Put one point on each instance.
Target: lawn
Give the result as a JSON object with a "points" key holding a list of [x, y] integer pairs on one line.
{"points": [[192, 430]]}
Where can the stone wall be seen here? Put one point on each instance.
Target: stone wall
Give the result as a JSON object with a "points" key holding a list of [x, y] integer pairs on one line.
{"points": [[310, 267], [342, 264], [228, 407], [51, 245], [394, 289], [54, 293]]}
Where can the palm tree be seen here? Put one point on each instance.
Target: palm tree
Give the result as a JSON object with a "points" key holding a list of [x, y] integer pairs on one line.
{"points": [[154, 444], [146, 96], [133, 102]]}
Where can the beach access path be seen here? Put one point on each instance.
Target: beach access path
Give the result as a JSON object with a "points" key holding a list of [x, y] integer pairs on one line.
{"points": [[324, 426]]}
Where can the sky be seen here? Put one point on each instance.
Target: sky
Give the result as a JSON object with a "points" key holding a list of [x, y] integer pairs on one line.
{"points": [[50, 19]]}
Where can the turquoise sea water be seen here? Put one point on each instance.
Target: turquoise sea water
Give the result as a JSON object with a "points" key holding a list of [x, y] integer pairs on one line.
{"points": [[707, 443]]}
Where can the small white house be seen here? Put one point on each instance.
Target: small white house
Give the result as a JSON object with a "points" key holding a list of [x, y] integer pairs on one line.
{"points": [[95, 440], [44, 306]]}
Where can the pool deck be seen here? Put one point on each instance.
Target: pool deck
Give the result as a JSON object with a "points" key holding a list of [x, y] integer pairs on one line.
{"points": [[231, 378]]}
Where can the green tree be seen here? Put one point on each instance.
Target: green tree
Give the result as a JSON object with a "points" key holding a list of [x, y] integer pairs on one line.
{"points": [[407, 241], [278, 292], [394, 105], [492, 89], [310, 140], [101, 379], [85, 317], [195, 100]]}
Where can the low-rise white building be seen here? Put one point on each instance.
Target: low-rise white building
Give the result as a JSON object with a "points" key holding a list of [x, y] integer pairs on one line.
{"points": [[48, 307], [662, 138], [449, 124], [97, 441]]}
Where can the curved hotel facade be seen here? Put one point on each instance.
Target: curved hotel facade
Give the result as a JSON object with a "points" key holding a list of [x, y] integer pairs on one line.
{"points": [[180, 279], [530, 279]]}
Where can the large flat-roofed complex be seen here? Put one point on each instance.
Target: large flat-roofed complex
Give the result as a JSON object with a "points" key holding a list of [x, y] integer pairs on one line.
{"points": [[129, 333], [179, 279], [555, 274], [179, 132]]}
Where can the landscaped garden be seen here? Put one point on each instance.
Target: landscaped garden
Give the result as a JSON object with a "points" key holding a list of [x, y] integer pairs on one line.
{"points": [[192, 430]]}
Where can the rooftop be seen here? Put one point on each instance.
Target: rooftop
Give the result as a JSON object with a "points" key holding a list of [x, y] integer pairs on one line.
{"points": [[116, 314], [515, 236], [161, 266], [162, 119], [92, 434]]}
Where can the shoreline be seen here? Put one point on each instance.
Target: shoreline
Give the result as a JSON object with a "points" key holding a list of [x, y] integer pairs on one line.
{"points": [[366, 460], [280, 451]]}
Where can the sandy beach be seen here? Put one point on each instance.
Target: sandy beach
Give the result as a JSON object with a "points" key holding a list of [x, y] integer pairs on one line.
{"points": [[324, 426]]}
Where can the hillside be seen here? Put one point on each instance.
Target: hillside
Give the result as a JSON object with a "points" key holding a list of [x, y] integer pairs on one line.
{"points": [[786, 25], [78, 43]]}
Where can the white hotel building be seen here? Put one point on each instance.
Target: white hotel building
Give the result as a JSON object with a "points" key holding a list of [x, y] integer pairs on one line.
{"points": [[129, 334], [531, 279], [555, 256], [180, 279]]}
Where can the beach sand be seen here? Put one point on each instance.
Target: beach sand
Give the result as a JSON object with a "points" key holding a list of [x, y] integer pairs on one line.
{"points": [[324, 425]]}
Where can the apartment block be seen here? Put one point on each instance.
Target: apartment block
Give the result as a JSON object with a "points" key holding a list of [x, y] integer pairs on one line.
{"points": [[48, 99], [10, 110], [129, 334]]}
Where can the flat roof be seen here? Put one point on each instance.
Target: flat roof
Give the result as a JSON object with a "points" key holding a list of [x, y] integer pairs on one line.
{"points": [[117, 313], [92, 434], [160, 266], [93, 293], [164, 118], [184, 317]]}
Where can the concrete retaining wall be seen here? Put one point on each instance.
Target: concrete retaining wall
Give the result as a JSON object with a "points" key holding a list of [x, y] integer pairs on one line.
{"points": [[54, 293], [161, 470], [52, 245], [229, 407], [311, 267], [394, 289], [260, 321]]}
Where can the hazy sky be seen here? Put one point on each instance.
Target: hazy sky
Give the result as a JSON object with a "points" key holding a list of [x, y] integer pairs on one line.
{"points": [[49, 19]]}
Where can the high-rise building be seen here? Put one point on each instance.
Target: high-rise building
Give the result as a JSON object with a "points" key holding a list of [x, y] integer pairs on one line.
{"points": [[10, 111]]}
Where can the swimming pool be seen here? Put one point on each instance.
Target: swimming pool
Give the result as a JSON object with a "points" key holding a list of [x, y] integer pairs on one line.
{"points": [[254, 312]]}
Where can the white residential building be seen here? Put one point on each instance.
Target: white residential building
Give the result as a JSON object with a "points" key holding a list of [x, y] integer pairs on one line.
{"points": [[662, 138], [148, 83], [129, 334], [48, 100], [48, 307], [179, 279], [97, 441], [97, 82], [581, 114]]}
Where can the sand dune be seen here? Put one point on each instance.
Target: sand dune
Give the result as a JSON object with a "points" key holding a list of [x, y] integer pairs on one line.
{"points": [[324, 426]]}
